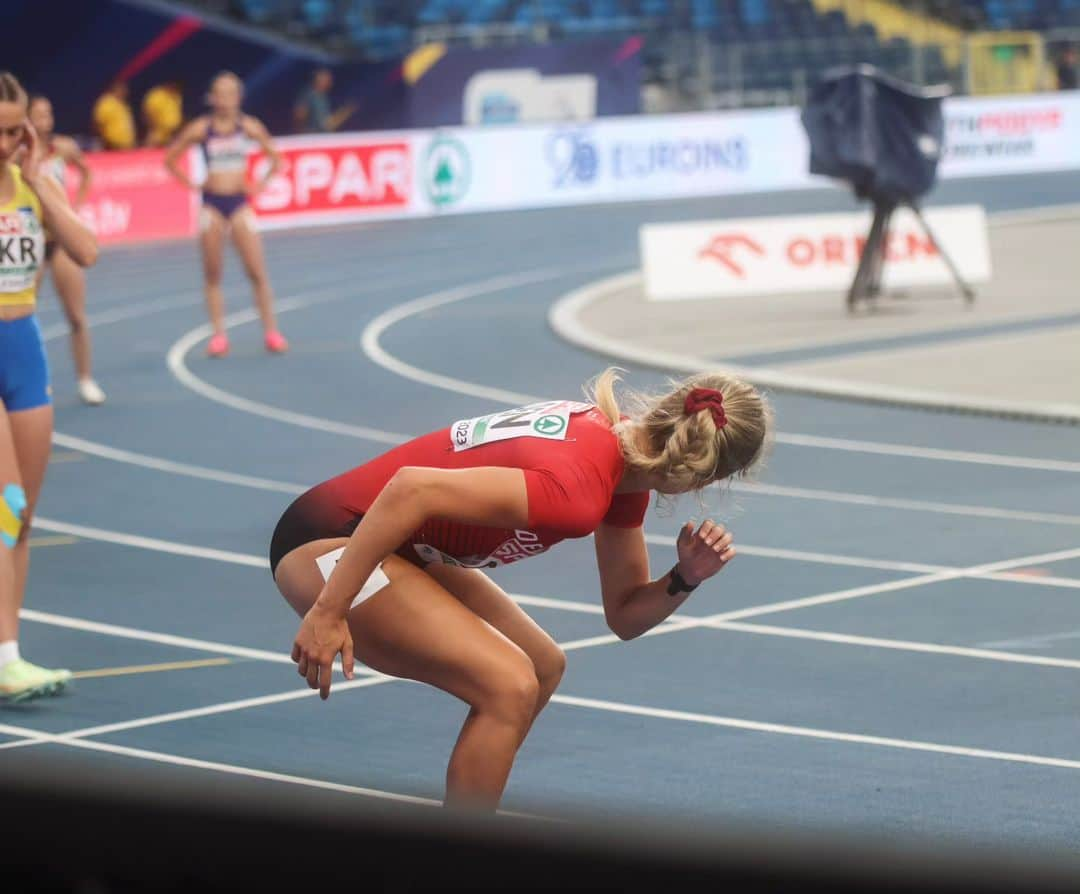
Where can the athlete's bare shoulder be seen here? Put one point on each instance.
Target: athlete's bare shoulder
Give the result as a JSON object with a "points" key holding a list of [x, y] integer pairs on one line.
{"points": [[66, 147], [196, 129], [254, 128]]}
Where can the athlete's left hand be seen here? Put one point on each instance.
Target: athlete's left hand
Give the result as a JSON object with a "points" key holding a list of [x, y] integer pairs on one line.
{"points": [[322, 635], [704, 552]]}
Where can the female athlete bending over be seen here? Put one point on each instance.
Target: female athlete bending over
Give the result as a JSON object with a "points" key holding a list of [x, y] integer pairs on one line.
{"points": [[227, 136], [410, 530]]}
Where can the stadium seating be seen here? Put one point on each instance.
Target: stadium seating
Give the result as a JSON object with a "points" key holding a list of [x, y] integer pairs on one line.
{"points": [[753, 45]]}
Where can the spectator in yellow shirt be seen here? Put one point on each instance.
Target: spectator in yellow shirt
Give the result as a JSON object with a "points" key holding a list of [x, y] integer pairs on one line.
{"points": [[113, 121], [163, 112]]}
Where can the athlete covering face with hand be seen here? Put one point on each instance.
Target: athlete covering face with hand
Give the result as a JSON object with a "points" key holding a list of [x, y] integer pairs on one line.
{"points": [[384, 561], [32, 204]]}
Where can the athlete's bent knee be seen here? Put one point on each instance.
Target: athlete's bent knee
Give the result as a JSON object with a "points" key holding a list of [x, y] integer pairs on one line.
{"points": [[513, 696], [12, 512], [550, 670]]}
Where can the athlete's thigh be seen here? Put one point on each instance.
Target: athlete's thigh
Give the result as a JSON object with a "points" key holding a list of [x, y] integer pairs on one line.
{"points": [[212, 228], [482, 595], [298, 577], [31, 432], [248, 243], [70, 282], [413, 628], [9, 463]]}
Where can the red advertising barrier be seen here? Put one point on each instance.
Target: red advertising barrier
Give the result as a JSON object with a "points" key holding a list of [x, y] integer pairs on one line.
{"points": [[133, 198], [350, 177]]}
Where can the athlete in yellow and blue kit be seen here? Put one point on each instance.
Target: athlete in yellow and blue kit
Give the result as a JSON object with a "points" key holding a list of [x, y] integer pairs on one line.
{"points": [[30, 201]]}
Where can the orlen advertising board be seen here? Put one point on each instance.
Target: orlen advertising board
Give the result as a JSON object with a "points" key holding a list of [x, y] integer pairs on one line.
{"points": [[807, 253]]}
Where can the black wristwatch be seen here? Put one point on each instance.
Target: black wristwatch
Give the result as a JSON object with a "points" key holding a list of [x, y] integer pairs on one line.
{"points": [[677, 585]]}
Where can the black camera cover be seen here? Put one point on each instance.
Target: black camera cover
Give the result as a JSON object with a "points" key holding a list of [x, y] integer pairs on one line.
{"points": [[883, 136]]}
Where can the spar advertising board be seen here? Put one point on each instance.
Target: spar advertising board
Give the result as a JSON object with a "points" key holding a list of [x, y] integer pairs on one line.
{"points": [[806, 253], [337, 179]]}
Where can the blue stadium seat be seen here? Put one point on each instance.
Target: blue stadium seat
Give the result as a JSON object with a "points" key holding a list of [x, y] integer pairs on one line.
{"points": [[318, 15], [259, 12]]}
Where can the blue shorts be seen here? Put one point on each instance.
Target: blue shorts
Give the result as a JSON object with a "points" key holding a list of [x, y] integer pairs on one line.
{"points": [[24, 371], [225, 204]]}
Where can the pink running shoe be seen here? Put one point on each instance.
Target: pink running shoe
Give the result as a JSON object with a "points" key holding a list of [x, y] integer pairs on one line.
{"points": [[218, 345], [275, 342]]}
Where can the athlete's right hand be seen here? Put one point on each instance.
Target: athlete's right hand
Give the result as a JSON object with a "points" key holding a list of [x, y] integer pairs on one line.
{"points": [[322, 635], [32, 154]]}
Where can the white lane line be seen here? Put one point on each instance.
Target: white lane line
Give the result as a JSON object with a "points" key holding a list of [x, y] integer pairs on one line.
{"points": [[857, 499], [813, 733], [891, 586], [921, 580], [151, 636], [251, 772], [173, 468], [175, 359], [152, 543], [369, 340], [567, 605], [1032, 642], [207, 711], [232, 769], [794, 555], [930, 453], [896, 644]]}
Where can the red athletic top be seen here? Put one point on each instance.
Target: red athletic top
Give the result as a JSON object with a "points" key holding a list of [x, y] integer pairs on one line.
{"points": [[572, 464]]}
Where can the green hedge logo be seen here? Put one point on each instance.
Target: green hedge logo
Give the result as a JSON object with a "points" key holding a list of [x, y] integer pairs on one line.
{"points": [[447, 171], [549, 426]]}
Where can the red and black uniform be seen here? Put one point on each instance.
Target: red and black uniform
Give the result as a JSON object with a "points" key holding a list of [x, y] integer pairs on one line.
{"points": [[570, 479]]}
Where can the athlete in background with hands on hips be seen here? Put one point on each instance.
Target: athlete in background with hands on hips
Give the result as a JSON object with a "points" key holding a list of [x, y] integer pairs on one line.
{"points": [[227, 137], [383, 562]]}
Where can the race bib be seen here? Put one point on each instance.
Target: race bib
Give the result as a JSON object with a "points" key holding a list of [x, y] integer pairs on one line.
{"points": [[376, 582], [22, 250], [549, 419]]}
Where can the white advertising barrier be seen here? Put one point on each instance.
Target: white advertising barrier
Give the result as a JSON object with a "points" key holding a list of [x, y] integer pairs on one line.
{"points": [[809, 253], [612, 159], [987, 136], [351, 177]]}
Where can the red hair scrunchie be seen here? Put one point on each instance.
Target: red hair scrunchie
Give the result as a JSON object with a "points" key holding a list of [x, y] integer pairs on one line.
{"points": [[706, 399]]}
